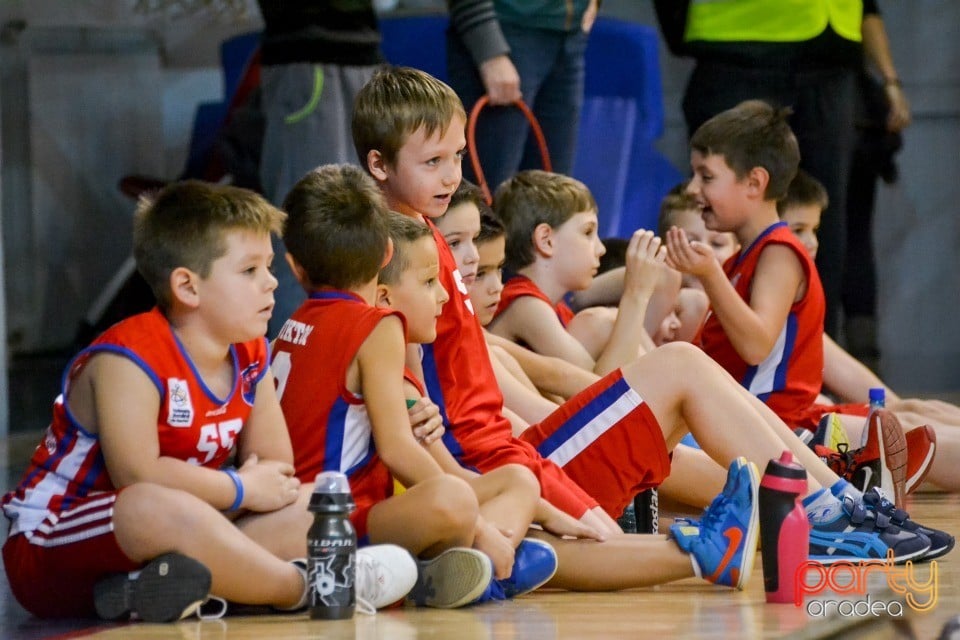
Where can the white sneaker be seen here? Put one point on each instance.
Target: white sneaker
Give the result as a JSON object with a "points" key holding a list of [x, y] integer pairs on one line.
{"points": [[385, 573]]}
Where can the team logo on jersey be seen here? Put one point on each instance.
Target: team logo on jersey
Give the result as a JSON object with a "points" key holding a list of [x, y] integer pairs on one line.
{"points": [[462, 288], [179, 407], [50, 441], [248, 382]]}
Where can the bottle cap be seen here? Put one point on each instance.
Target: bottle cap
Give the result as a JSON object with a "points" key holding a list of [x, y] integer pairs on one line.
{"points": [[331, 493], [786, 467], [877, 394]]}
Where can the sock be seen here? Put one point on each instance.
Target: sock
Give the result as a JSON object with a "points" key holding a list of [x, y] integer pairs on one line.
{"points": [[842, 488], [822, 506]]}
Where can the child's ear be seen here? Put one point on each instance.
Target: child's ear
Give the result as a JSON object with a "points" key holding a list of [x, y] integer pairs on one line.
{"points": [[298, 271], [183, 287], [383, 297], [377, 165], [543, 239], [757, 181]]}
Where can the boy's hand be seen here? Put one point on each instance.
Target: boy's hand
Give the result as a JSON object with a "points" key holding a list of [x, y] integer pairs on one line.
{"points": [[644, 259], [426, 421], [497, 546], [694, 258], [267, 485], [561, 524]]}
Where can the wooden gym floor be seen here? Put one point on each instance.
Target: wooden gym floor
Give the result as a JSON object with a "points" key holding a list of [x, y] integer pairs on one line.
{"points": [[686, 609]]}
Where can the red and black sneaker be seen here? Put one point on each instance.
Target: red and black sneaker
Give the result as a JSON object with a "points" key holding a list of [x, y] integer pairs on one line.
{"points": [[881, 462]]}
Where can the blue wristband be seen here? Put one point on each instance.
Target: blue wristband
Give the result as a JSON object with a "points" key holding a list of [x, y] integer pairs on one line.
{"points": [[238, 484]]}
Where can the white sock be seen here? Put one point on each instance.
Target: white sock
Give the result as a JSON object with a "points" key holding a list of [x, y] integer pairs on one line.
{"points": [[822, 506]]}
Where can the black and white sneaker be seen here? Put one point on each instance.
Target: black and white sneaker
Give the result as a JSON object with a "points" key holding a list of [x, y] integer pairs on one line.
{"points": [[169, 588]]}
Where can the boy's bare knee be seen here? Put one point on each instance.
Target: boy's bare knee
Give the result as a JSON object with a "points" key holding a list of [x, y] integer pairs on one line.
{"points": [[679, 355], [520, 477], [453, 502], [151, 514]]}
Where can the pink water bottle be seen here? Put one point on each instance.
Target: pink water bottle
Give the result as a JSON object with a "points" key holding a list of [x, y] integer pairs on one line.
{"points": [[784, 530]]}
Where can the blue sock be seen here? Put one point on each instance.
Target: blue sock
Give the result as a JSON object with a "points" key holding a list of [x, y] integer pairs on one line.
{"points": [[822, 506]]}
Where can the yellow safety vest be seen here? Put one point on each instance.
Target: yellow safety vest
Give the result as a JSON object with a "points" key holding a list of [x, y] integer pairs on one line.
{"points": [[772, 20]]}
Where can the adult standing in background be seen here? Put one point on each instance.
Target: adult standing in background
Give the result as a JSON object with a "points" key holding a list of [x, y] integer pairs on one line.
{"points": [[512, 49], [883, 113], [315, 56], [795, 53]]}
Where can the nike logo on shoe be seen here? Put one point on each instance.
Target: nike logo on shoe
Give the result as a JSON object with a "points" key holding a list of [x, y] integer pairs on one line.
{"points": [[734, 536]]}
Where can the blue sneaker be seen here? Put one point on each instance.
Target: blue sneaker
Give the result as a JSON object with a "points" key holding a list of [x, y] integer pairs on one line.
{"points": [[941, 542], [857, 533], [534, 563], [723, 544]]}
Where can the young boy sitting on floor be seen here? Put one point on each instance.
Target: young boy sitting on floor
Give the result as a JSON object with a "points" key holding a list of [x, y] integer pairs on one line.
{"points": [[767, 305], [849, 381], [341, 375], [127, 506]]}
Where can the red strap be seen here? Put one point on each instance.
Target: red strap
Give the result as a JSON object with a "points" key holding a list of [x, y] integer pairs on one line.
{"points": [[472, 142]]}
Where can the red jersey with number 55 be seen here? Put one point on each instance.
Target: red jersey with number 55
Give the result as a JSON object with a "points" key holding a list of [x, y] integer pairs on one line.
{"points": [[192, 425]]}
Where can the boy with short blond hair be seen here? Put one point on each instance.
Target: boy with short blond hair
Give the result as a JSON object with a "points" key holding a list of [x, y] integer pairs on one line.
{"points": [[132, 475], [610, 437]]}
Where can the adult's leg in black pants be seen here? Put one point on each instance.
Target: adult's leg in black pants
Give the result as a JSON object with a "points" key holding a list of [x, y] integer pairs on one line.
{"points": [[860, 278], [822, 120], [824, 124]]}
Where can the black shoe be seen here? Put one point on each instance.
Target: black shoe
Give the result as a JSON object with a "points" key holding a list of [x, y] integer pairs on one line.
{"points": [[169, 588]]}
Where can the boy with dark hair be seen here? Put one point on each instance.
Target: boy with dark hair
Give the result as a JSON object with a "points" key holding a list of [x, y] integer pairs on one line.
{"points": [[767, 305], [131, 475], [339, 363]]}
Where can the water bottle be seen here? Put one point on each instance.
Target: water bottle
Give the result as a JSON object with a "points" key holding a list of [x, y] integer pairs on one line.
{"points": [[331, 548], [646, 508], [878, 398], [784, 530], [642, 515]]}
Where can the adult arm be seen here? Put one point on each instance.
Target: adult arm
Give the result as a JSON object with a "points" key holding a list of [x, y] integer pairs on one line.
{"points": [[475, 23], [876, 47]]}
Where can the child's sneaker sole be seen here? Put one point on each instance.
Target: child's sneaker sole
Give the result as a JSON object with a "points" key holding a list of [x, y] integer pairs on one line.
{"points": [[921, 449], [453, 579], [169, 588]]}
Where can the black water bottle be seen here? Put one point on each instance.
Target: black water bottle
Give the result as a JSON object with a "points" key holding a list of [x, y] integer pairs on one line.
{"points": [[331, 548]]}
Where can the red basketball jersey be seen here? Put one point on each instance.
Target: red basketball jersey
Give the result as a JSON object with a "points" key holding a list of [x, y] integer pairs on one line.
{"points": [[459, 378], [192, 425], [520, 286], [789, 378], [328, 424]]}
